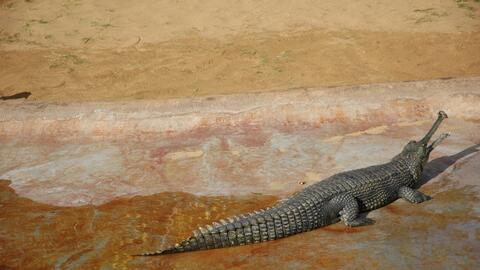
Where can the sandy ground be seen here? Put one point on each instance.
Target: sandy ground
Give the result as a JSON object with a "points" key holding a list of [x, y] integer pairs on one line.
{"points": [[71, 50]]}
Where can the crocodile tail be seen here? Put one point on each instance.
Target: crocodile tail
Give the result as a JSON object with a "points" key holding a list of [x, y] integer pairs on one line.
{"points": [[292, 216], [221, 234], [169, 250], [260, 226]]}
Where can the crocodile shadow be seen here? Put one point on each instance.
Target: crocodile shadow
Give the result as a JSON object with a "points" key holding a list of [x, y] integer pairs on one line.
{"points": [[441, 164]]}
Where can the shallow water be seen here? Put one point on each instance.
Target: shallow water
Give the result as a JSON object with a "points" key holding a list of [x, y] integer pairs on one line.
{"points": [[36, 235], [441, 233]]}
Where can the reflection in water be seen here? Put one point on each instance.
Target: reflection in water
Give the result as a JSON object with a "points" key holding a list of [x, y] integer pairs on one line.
{"points": [[442, 232]]}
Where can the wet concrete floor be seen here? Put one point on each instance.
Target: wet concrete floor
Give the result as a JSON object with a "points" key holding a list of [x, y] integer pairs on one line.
{"points": [[90, 202]]}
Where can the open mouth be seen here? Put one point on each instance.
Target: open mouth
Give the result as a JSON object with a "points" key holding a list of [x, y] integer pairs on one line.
{"points": [[435, 143]]}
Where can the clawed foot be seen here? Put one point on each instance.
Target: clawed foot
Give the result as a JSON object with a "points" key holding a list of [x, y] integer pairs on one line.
{"points": [[413, 196], [420, 197], [361, 221]]}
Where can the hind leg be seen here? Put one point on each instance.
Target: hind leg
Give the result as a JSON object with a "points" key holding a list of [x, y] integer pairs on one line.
{"points": [[350, 211]]}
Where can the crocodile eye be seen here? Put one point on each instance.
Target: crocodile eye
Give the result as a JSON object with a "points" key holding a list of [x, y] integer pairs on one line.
{"points": [[410, 145]]}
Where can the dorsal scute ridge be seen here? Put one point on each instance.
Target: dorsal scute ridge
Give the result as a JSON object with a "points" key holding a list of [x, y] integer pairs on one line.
{"points": [[203, 230]]}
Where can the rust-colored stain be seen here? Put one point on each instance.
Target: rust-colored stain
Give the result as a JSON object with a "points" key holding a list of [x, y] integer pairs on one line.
{"points": [[394, 209], [340, 228], [224, 145], [158, 154], [253, 137]]}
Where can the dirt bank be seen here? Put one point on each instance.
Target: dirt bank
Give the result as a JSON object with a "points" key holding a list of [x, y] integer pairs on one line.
{"points": [[67, 50]]}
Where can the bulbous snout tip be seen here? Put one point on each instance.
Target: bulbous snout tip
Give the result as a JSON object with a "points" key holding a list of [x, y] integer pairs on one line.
{"points": [[442, 114]]}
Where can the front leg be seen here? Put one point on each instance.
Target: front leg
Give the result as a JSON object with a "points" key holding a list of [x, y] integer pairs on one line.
{"points": [[350, 211], [412, 195]]}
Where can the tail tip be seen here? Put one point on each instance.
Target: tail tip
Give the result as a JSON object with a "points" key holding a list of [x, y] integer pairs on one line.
{"points": [[156, 253]]}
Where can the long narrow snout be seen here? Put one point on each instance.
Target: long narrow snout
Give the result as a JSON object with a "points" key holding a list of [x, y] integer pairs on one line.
{"points": [[441, 116]]}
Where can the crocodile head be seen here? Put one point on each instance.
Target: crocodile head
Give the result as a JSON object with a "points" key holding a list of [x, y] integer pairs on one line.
{"points": [[416, 153]]}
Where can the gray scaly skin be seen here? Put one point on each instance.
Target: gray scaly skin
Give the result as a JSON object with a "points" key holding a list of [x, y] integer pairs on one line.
{"points": [[343, 195]]}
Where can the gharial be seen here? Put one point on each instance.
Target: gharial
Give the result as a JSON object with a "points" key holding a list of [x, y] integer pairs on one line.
{"points": [[343, 195]]}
